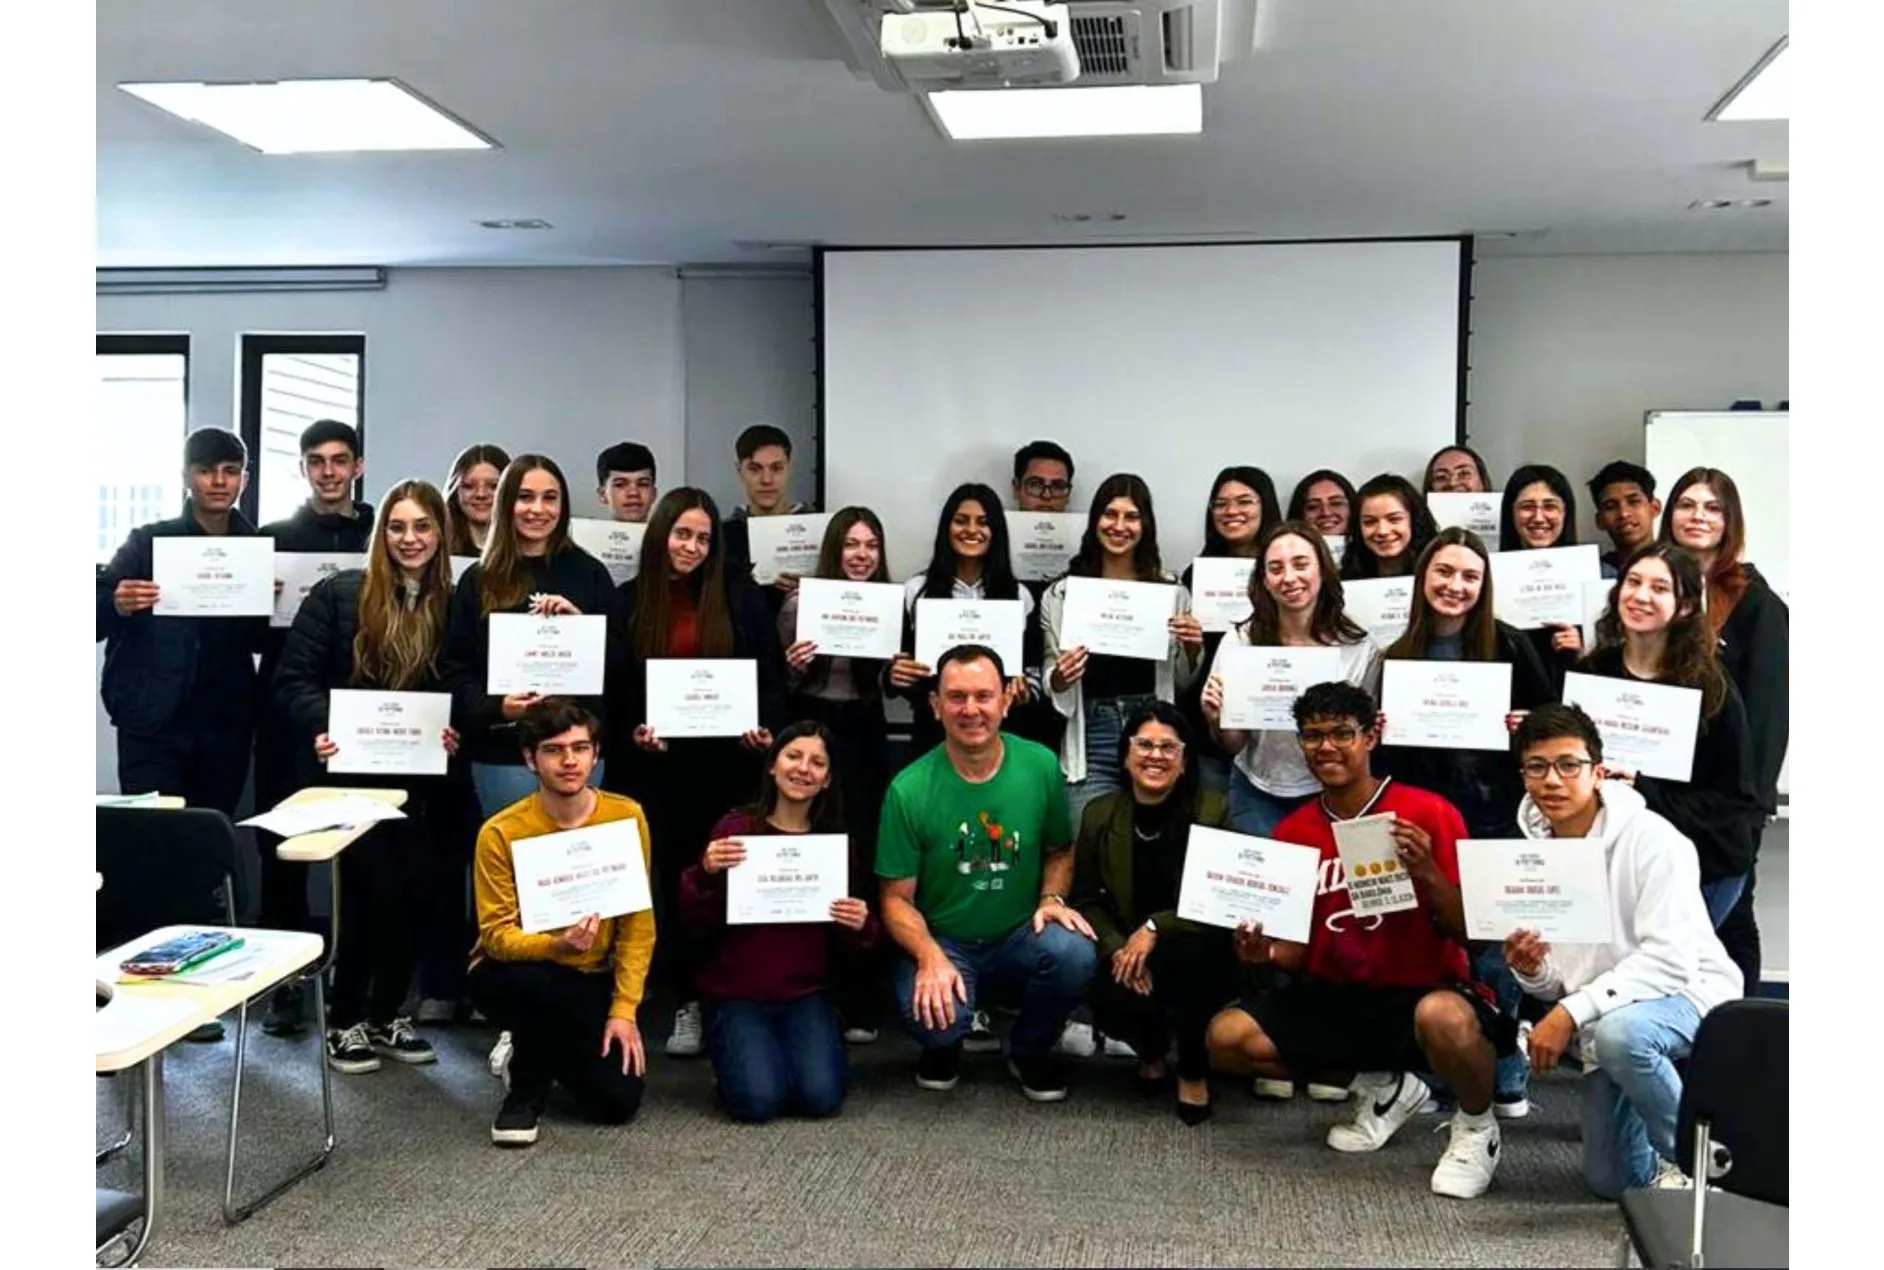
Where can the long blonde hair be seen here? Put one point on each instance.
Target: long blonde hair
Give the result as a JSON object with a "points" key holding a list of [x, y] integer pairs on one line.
{"points": [[395, 647]]}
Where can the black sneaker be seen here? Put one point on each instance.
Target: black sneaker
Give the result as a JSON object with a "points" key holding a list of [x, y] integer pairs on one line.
{"points": [[287, 1013], [1042, 1077], [516, 1121], [939, 1068], [349, 1050], [400, 1042]]}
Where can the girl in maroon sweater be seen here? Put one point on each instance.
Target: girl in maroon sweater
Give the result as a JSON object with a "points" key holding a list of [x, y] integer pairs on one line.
{"points": [[771, 1032]]}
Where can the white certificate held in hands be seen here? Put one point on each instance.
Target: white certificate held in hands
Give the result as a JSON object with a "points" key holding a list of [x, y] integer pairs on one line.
{"points": [[1220, 590], [945, 624], [1381, 606], [1261, 683], [851, 619], [564, 877], [1448, 705], [787, 878], [299, 571], [1377, 881], [703, 696], [1558, 887], [1477, 512], [1647, 728], [560, 656], [1044, 543], [388, 733], [616, 543], [1119, 619], [1543, 588], [204, 576], [786, 544], [1232, 878]]}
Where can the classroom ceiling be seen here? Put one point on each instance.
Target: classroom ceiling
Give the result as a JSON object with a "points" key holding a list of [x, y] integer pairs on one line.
{"points": [[711, 131]]}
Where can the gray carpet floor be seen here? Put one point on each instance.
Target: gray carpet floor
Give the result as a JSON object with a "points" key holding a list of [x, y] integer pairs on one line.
{"points": [[977, 1176]]}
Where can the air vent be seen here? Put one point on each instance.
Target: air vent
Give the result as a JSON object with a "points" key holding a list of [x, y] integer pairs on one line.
{"points": [[1103, 45]]}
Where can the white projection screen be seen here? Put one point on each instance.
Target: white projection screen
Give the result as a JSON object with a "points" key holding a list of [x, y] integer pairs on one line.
{"points": [[1168, 361]]}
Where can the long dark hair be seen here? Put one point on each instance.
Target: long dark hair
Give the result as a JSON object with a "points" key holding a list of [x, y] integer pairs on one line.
{"points": [[1089, 560], [1186, 794], [827, 809], [997, 570], [1359, 561], [1726, 580], [654, 588], [1330, 623], [1531, 474], [831, 550], [1298, 501], [458, 540], [1479, 640], [1484, 473], [506, 577], [1258, 480], [1691, 658]]}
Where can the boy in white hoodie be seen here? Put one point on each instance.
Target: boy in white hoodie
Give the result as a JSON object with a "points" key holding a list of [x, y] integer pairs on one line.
{"points": [[1633, 1004]]}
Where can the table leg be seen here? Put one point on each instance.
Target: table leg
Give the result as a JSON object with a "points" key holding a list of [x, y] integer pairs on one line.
{"points": [[153, 1152], [232, 1213]]}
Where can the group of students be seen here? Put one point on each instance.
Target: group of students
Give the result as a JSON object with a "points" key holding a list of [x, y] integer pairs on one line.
{"points": [[1029, 858]]}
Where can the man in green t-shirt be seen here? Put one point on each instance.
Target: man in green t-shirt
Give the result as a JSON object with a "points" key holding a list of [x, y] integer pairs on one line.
{"points": [[975, 854]]}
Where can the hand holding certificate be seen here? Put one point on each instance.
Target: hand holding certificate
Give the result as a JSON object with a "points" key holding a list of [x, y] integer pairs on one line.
{"points": [[850, 619], [299, 571], [1378, 882], [1118, 619], [550, 655], [597, 870], [388, 733], [787, 878], [705, 696], [1232, 878], [1647, 728], [221, 576], [1558, 888], [1220, 590], [1448, 705], [1044, 542], [616, 543], [1543, 588], [1261, 683], [944, 624], [785, 544]]}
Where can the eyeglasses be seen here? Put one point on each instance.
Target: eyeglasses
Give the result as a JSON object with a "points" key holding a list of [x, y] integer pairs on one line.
{"points": [[1536, 769], [1244, 504], [1314, 737], [1047, 489], [1157, 749]]}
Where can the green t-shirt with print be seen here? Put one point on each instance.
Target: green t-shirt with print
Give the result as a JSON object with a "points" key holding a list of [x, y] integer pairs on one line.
{"points": [[974, 850]]}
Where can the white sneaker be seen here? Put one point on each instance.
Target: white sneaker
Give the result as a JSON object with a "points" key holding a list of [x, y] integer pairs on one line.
{"points": [[686, 1039], [1077, 1041], [1115, 1048], [1465, 1170], [860, 1036], [1669, 1177], [1378, 1112], [436, 1010], [981, 1038], [500, 1058], [1327, 1093], [1275, 1090]]}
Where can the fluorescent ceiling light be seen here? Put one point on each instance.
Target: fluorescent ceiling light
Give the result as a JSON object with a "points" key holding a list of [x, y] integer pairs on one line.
{"points": [[1131, 110], [311, 116], [1765, 94]]}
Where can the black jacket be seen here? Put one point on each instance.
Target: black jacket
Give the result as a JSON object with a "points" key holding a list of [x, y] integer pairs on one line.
{"points": [[162, 672], [755, 635], [1755, 645], [1717, 808], [571, 573]]}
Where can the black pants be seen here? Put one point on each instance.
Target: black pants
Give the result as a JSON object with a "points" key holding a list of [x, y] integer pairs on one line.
{"points": [[382, 885], [555, 1016], [449, 930], [1739, 933], [206, 764], [284, 882], [1193, 975]]}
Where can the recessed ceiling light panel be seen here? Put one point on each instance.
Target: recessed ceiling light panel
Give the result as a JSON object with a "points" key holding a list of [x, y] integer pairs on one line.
{"points": [[1765, 93], [315, 116], [1127, 110]]}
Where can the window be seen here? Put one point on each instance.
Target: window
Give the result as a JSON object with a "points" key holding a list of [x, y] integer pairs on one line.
{"points": [[288, 382], [143, 412]]}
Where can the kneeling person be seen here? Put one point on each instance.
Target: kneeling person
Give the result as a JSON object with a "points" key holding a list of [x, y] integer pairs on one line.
{"points": [[1632, 1005], [1380, 998], [568, 998]]}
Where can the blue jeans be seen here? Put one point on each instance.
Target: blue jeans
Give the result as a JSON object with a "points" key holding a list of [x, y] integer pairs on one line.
{"points": [[1632, 1096], [1050, 970], [777, 1057], [1720, 896], [501, 784], [1255, 812], [1105, 723]]}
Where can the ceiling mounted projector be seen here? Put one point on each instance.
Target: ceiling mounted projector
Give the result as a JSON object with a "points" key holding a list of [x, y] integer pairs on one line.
{"points": [[1015, 46]]}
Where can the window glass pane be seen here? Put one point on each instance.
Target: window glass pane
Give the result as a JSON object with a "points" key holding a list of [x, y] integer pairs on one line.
{"points": [[142, 417], [297, 389]]}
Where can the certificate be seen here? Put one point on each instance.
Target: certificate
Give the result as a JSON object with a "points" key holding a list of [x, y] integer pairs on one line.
{"points": [[1232, 878], [561, 656], [459, 564], [788, 878], [1380, 606], [704, 696], [616, 543], [1044, 543], [1261, 683], [1543, 588], [1220, 590], [1118, 619], [564, 877], [1477, 512], [1377, 881], [388, 733], [1649, 728], [945, 624], [1558, 887], [221, 576], [1337, 546], [786, 544], [1448, 705], [299, 571], [851, 619]]}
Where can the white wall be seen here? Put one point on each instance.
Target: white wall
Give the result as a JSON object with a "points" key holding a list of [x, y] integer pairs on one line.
{"points": [[750, 359]]}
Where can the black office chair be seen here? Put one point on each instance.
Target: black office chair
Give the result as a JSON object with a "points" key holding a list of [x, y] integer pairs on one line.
{"points": [[1733, 1117]]}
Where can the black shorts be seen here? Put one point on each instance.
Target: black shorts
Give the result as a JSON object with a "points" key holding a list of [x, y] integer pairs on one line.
{"points": [[1338, 1027]]}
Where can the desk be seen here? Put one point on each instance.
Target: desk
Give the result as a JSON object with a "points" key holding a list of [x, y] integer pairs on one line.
{"points": [[162, 802], [143, 1019], [326, 846]]}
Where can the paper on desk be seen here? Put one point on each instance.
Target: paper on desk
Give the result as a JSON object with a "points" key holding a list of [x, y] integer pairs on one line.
{"points": [[343, 812], [128, 800]]}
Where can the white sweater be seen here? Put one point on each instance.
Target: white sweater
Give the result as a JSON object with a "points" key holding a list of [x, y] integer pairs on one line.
{"points": [[1662, 944]]}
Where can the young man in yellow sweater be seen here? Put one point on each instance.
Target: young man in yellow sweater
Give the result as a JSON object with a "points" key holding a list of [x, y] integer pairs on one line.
{"points": [[567, 998]]}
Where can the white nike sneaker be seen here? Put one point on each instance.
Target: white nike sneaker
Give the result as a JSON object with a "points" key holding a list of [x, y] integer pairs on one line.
{"points": [[1465, 1170], [1378, 1112], [1076, 1041]]}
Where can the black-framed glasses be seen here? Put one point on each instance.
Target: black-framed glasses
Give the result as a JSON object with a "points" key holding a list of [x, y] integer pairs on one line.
{"points": [[1313, 738], [1536, 769], [1047, 489]]}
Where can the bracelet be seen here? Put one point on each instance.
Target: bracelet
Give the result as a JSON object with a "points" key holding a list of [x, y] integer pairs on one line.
{"points": [[1051, 899]]}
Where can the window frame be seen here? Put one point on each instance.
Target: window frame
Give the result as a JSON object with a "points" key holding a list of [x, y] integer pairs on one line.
{"points": [[255, 348], [157, 344]]}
